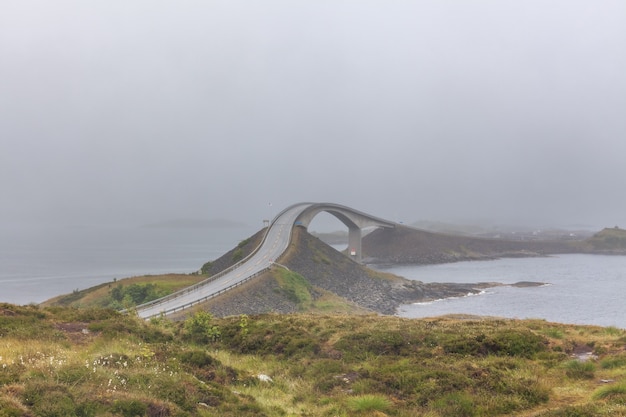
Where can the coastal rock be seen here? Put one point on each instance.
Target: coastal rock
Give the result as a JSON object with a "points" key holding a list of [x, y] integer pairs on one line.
{"points": [[328, 270], [524, 284]]}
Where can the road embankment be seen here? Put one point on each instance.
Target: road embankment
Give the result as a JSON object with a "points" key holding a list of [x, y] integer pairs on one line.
{"points": [[330, 275]]}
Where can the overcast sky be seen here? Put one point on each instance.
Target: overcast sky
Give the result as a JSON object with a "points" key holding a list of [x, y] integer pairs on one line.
{"points": [[141, 111]]}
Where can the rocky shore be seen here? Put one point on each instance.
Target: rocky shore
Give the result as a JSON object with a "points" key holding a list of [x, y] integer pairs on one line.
{"points": [[355, 288], [322, 280], [330, 272]]}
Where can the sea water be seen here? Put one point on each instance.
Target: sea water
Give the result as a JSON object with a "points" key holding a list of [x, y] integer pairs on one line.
{"points": [[579, 289], [37, 264], [40, 263]]}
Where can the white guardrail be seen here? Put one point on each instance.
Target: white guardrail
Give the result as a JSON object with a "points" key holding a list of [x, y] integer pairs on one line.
{"points": [[202, 283], [203, 299]]}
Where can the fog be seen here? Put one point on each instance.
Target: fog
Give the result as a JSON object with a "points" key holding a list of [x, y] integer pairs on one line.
{"points": [[116, 112]]}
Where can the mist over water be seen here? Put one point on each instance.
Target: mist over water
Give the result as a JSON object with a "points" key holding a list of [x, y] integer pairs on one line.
{"points": [[39, 263], [420, 110]]}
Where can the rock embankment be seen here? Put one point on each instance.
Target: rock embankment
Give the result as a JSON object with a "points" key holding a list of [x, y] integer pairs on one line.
{"points": [[328, 271]]}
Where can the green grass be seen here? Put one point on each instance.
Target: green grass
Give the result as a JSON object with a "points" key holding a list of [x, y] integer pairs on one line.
{"points": [[369, 402], [93, 362], [579, 370], [613, 392], [129, 290], [295, 287], [614, 362]]}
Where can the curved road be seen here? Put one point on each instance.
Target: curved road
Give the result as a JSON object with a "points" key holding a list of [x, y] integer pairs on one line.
{"points": [[275, 243]]}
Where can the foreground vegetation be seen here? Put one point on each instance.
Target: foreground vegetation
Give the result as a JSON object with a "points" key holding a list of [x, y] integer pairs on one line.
{"points": [[59, 361]]}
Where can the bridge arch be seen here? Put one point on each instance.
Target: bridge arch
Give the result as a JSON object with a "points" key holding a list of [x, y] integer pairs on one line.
{"points": [[355, 220]]}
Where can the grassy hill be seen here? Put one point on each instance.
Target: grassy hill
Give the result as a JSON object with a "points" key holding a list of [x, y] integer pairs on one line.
{"points": [[407, 245], [318, 279], [608, 240], [412, 246], [61, 361]]}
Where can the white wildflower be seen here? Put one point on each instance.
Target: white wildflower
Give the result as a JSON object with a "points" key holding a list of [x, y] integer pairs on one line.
{"points": [[264, 378]]}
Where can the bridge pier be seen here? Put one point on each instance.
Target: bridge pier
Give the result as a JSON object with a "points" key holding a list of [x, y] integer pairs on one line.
{"points": [[354, 243], [354, 220]]}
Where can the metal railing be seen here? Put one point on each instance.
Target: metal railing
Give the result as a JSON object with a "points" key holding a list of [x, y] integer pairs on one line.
{"points": [[207, 297], [197, 286]]}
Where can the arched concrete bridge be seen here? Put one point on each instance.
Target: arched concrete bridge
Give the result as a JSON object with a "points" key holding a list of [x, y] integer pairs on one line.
{"points": [[275, 242], [355, 220]]}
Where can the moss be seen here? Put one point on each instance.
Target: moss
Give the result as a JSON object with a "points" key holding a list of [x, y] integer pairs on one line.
{"points": [[320, 365], [295, 287]]}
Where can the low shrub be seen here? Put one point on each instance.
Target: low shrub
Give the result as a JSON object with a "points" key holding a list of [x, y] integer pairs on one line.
{"points": [[206, 268], [200, 328], [612, 392], [369, 402], [237, 255], [613, 331], [357, 346], [502, 343], [454, 404], [613, 362], [553, 333], [73, 374], [130, 408], [197, 358], [158, 409], [576, 369], [135, 294], [74, 314], [270, 338], [9, 407], [515, 343], [49, 399], [205, 367], [24, 322], [114, 326]]}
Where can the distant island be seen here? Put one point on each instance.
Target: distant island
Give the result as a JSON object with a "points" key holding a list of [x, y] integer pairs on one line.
{"points": [[320, 279]]}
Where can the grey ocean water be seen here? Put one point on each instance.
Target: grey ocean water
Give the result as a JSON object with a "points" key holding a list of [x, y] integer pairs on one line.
{"points": [[38, 263], [581, 289]]}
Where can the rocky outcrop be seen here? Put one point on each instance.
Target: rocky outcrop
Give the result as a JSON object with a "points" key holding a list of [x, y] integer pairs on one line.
{"points": [[261, 295], [327, 270]]}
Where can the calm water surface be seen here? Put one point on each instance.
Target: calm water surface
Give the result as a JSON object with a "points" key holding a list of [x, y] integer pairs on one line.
{"points": [[38, 264], [582, 289]]}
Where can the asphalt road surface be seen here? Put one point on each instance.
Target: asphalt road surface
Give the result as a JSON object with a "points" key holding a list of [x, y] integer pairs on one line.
{"points": [[275, 243]]}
